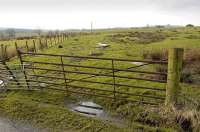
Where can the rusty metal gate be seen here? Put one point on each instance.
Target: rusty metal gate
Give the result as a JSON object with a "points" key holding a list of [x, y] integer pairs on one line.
{"points": [[114, 78]]}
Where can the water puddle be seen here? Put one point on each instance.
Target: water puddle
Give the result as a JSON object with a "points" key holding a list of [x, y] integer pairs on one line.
{"points": [[102, 45], [91, 109], [137, 63], [1, 83], [88, 108]]}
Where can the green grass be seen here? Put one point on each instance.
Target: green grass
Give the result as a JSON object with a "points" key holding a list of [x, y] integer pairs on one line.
{"points": [[45, 110], [82, 46]]}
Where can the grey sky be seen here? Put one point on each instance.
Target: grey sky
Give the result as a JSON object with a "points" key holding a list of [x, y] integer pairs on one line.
{"points": [[84, 11]]}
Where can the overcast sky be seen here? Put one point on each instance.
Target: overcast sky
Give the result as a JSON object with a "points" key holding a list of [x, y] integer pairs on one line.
{"points": [[65, 14]]}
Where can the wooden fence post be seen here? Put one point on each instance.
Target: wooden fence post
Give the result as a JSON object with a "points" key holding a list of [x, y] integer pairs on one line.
{"points": [[51, 43], [54, 40], [5, 53], [175, 61], [2, 50], [27, 48], [46, 43], [34, 46], [40, 44]]}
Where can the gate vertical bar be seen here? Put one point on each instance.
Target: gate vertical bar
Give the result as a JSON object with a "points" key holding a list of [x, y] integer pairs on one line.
{"points": [[113, 73], [63, 69]]}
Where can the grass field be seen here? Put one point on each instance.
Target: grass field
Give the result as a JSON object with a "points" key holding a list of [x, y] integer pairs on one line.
{"points": [[45, 108]]}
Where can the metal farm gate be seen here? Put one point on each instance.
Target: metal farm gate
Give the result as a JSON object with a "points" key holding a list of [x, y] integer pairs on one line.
{"points": [[117, 79]]}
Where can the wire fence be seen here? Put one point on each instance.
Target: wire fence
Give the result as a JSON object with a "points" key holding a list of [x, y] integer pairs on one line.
{"points": [[9, 50]]}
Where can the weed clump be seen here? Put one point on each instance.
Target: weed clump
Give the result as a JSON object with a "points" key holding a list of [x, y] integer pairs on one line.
{"points": [[156, 55], [191, 66], [186, 76], [181, 120]]}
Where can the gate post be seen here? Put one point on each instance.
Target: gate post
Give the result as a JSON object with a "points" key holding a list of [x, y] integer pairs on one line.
{"points": [[175, 61]]}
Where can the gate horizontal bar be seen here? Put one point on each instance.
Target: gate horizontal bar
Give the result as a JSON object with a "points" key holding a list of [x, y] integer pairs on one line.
{"points": [[95, 67], [105, 96], [100, 74], [99, 58], [102, 90], [105, 83]]}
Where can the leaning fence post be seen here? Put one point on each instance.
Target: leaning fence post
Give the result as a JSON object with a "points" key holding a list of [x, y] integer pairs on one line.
{"points": [[23, 67], [175, 61], [63, 70]]}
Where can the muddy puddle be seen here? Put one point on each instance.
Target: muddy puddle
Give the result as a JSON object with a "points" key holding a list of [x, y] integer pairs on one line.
{"points": [[91, 109]]}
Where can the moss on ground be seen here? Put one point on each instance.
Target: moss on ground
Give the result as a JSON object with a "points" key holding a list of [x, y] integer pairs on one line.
{"points": [[46, 110]]}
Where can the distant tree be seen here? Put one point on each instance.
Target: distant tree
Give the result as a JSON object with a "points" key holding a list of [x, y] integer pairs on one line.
{"points": [[189, 25], [11, 33]]}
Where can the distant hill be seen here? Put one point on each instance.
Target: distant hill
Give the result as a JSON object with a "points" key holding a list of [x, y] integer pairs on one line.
{"points": [[17, 29]]}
